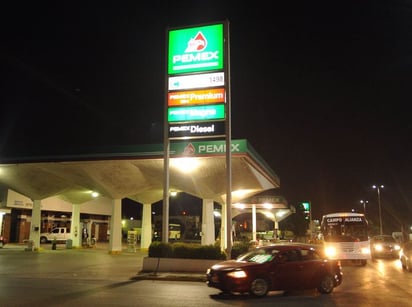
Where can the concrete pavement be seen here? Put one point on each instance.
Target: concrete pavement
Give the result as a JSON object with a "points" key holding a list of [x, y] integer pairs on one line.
{"points": [[88, 262]]}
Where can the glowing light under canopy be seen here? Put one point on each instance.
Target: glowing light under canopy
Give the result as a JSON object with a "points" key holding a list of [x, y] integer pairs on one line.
{"points": [[185, 165]]}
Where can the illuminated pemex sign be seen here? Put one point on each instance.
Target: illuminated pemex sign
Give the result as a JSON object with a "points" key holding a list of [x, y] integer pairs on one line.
{"points": [[196, 81], [196, 97], [197, 129], [199, 113], [195, 49], [196, 102]]}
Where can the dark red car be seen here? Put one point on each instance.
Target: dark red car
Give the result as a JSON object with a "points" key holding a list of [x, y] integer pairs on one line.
{"points": [[277, 267]]}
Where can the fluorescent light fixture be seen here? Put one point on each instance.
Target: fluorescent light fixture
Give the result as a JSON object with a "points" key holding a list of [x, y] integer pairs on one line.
{"points": [[95, 194], [239, 206], [267, 206], [185, 165]]}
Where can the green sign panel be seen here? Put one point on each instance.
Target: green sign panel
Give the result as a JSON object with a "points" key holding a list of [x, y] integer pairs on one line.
{"points": [[195, 49], [207, 148], [196, 113], [306, 205]]}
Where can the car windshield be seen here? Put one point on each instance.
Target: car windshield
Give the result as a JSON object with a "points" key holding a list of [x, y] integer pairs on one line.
{"points": [[258, 256], [387, 239]]}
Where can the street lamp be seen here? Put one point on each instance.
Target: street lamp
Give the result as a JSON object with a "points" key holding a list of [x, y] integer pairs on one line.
{"points": [[364, 202], [378, 188]]}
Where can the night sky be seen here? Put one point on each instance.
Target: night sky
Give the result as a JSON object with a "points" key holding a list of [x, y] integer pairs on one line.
{"points": [[321, 89]]}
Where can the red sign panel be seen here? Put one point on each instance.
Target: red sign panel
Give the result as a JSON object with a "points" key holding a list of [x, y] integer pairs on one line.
{"points": [[186, 98]]}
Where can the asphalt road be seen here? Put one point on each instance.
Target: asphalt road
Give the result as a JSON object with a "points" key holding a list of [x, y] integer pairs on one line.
{"points": [[93, 277]]}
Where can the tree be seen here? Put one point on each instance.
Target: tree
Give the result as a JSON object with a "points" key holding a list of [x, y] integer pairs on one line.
{"points": [[296, 222]]}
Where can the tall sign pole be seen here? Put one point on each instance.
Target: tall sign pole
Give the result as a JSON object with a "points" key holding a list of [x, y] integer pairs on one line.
{"points": [[229, 233], [197, 103], [307, 207]]}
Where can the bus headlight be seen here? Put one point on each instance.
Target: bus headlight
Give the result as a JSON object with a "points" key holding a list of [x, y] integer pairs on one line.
{"points": [[365, 250], [330, 251]]}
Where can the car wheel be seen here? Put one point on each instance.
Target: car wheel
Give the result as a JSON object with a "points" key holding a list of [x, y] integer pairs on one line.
{"points": [[259, 287], [327, 284], [43, 240]]}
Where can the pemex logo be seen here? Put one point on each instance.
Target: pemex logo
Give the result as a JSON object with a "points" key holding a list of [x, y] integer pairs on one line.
{"points": [[197, 44], [195, 49], [189, 150]]}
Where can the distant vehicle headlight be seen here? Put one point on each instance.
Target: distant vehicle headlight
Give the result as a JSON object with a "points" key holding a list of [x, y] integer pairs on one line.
{"points": [[237, 274], [378, 247], [397, 247], [330, 251]]}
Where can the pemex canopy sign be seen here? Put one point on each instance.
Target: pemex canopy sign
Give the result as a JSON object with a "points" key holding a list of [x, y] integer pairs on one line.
{"points": [[196, 101]]}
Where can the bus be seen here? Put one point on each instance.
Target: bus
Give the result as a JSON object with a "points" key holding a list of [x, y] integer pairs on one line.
{"points": [[174, 231], [345, 236]]}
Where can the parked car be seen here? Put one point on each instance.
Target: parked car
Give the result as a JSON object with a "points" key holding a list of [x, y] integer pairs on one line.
{"points": [[58, 234], [405, 256], [279, 266], [384, 246]]}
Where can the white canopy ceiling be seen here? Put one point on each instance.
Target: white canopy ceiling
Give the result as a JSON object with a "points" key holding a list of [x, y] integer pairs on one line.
{"points": [[138, 175]]}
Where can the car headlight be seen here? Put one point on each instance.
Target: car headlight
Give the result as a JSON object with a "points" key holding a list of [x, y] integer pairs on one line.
{"points": [[330, 251], [237, 274], [378, 247], [397, 247]]}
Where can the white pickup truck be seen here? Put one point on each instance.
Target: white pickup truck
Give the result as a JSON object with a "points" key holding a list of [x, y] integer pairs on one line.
{"points": [[60, 234]]}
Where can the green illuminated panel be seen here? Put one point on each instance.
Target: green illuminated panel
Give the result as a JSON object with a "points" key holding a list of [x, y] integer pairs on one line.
{"points": [[306, 205], [195, 49], [207, 112], [209, 148]]}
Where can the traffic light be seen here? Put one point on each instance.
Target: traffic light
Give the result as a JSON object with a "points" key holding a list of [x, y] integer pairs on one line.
{"points": [[306, 208]]}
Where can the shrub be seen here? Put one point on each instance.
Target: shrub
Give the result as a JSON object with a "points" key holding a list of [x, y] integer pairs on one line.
{"points": [[209, 252], [160, 250], [239, 248], [182, 250], [185, 250]]}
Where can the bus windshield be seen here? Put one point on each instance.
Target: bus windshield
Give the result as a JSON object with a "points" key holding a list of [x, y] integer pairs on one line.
{"points": [[345, 235], [347, 227], [345, 232]]}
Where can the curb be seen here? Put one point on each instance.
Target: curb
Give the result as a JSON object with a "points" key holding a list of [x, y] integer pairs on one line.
{"points": [[171, 276]]}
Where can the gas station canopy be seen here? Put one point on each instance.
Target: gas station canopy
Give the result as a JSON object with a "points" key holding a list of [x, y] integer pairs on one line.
{"points": [[137, 172]]}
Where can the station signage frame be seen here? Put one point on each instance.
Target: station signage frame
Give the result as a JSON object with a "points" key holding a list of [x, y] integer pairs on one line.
{"points": [[197, 58], [197, 77]]}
